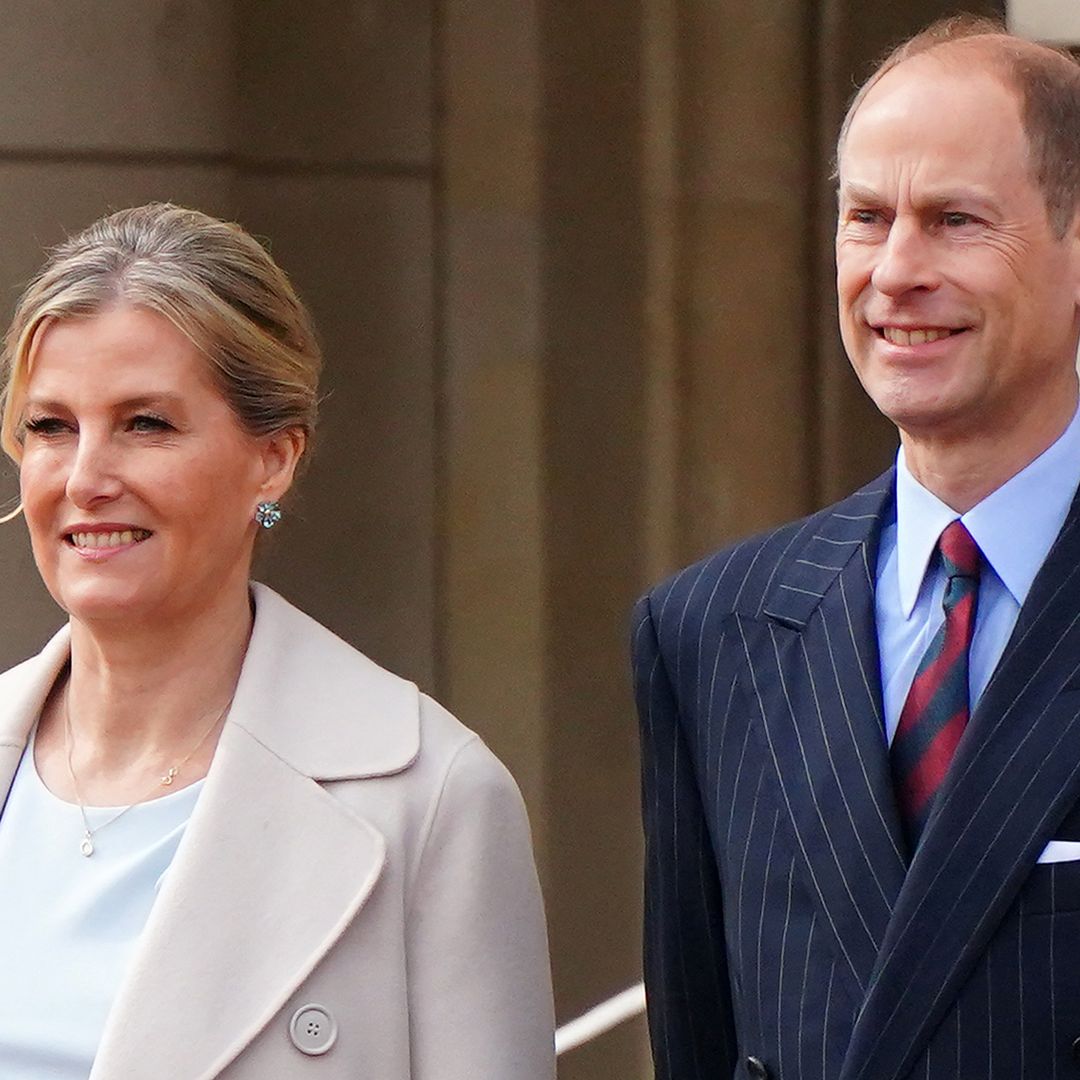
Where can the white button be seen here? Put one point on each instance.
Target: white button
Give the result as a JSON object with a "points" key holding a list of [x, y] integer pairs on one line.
{"points": [[312, 1030]]}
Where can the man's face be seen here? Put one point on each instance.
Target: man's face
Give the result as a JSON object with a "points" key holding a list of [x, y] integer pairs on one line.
{"points": [[958, 306]]}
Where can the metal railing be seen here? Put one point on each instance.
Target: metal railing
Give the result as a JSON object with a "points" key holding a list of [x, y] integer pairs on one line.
{"points": [[601, 1019]]}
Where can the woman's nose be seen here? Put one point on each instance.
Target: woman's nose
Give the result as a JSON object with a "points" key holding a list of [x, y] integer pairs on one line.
{"points": [[93, 476]]}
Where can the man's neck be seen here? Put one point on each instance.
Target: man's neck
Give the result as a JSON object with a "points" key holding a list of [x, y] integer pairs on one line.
{"points": [[963, 470]]}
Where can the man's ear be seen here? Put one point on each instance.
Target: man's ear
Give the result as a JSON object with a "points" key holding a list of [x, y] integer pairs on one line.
{"points": [[281, 453], [1072, 238]]}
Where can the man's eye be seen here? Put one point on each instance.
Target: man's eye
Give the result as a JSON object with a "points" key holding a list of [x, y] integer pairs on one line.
{"points": [[864, 217], [954, 219]]}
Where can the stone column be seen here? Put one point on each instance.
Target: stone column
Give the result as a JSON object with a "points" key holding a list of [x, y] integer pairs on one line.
{"points": [[745, 146], [334, 145], [541, 285], [105, 105]]}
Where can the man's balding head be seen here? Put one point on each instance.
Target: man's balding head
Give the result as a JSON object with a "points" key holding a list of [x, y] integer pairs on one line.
{"points": [[1045, 80]]}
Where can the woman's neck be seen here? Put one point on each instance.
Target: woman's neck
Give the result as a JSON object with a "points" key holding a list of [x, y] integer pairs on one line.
{"points": [[138, 701], [149, 685]]}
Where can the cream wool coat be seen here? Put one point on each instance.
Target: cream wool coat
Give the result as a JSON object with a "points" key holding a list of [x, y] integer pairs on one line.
{"points": [[354, 847]]}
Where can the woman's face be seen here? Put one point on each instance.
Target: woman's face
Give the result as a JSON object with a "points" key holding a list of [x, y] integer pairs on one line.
{"points": [[138, 482]]}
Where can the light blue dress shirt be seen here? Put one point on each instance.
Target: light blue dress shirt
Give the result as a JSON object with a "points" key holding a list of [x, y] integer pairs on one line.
{"points": [[1014, 526]]}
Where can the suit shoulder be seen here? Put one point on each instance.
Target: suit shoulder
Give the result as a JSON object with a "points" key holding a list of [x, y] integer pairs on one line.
{"points": [[735, 577], [738, 577]]}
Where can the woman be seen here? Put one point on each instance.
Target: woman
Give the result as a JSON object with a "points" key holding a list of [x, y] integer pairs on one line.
{"points": [[231, 845]]}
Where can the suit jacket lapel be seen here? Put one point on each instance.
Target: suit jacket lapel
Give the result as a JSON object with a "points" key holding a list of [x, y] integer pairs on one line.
{"points": [[1015, 776], [821, 712]]}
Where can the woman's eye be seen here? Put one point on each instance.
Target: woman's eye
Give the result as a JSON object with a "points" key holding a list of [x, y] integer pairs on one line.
{"points": [[45, 426], [146, 422]]}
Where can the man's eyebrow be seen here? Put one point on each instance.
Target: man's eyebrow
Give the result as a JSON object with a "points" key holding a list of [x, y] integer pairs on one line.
{"points": [[857, 193], [951, 197], [941, 199]]}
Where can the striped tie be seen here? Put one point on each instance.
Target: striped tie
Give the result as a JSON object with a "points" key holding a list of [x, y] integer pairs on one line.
{"points": [[936, 710]]}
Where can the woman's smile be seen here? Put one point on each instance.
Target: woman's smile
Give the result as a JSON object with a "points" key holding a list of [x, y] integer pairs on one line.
{"points": [[129, 447], [100, 542]]}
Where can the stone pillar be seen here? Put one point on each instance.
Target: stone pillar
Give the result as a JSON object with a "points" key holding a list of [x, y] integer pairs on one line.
{"points": [[105, 105], [744, 153], [594, 394], [491, 556], [334, 152], [1053, 21], [541, 286]]}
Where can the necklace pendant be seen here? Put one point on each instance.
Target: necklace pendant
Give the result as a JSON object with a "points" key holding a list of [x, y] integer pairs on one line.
{"points": [[87, 845], [167, 779]]}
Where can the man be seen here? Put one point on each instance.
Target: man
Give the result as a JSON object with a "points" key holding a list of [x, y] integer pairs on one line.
{"points": [[861, 731]]}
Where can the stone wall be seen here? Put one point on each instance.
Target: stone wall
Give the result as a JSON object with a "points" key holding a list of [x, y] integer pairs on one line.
{"points": [[572, 267]]}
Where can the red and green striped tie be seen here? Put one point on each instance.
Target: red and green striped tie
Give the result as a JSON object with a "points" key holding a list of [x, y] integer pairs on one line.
{"points": [[937, 707]]}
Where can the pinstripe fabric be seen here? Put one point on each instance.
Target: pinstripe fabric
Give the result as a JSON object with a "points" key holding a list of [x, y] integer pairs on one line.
{"points": [[781, 918]]}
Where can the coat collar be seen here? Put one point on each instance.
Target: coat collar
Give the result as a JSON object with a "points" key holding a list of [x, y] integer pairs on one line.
{"points": [[270, 873], [294, 668], [23, 691], [847, 533], [237, 924]]}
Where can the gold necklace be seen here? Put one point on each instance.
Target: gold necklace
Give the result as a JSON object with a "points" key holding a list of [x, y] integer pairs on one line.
{"points": [[86, 845]]}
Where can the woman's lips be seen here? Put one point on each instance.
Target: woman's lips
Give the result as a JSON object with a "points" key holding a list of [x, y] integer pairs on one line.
{"points": [[104, 540]]}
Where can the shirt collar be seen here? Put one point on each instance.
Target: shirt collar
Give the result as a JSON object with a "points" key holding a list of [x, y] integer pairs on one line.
{"points": [[1039, 496]]}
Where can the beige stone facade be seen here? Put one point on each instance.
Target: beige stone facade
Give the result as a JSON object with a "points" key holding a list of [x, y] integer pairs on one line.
{"points": [[571, 264]]}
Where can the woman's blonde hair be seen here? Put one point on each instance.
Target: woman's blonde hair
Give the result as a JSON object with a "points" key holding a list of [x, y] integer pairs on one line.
{"points": [[209, 278]]}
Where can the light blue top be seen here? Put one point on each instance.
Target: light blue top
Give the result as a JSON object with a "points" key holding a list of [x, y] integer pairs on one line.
{"points": [[1014, 526], [69, 924]]}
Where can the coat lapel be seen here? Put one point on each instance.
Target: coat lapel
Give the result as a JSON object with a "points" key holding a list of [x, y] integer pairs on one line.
{"points": [[238, 925], [1015, 776], [272, 867], [823, 726], [23, 691]]}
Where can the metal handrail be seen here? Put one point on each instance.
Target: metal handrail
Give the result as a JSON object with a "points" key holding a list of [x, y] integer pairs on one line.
{"points": [[601, 1019]]}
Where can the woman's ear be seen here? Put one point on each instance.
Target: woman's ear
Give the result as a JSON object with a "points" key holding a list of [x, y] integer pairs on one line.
{"points": [[281, 453]]}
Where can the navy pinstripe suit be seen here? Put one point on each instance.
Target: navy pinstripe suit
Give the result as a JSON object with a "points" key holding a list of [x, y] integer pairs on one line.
{"points": [[783, 920]]}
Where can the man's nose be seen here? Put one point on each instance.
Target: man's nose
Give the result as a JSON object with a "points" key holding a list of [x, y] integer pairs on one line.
{"points": [[93, 476], [906, 260]]}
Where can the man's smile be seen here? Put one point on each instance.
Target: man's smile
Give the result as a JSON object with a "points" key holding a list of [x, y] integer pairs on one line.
{"points": [[897, 335]]}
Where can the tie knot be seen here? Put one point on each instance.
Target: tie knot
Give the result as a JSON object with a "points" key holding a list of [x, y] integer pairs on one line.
{"points": [[959, 552]]}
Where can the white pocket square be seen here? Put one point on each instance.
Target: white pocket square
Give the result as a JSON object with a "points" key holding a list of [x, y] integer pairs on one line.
{"points": [[1061, 851]]}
